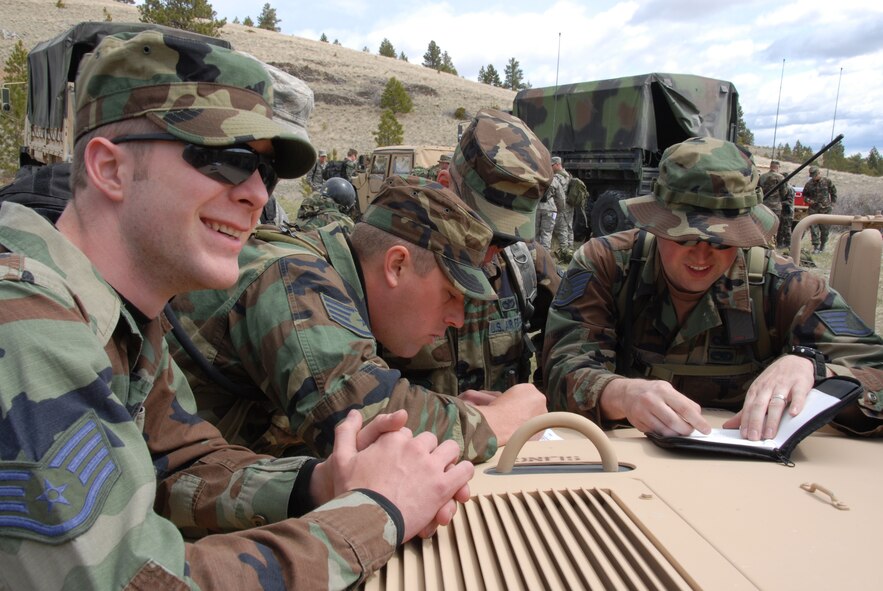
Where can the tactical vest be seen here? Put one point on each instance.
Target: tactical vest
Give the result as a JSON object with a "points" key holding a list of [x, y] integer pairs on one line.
{"points": [[756, 332]]}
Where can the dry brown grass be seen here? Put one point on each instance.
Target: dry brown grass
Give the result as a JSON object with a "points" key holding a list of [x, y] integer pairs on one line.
{"points": [[347, 84]]}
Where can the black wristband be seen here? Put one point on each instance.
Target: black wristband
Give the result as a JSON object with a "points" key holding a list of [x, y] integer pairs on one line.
{"points": [[816, 356], [391, 510], [300, 501]]}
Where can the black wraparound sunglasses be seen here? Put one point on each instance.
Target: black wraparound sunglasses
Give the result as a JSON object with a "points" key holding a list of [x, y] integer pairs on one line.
{"points": [[232, 165], [714, 245]]}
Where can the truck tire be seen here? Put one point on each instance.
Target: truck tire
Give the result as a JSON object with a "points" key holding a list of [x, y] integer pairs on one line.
{"points": [[607, 215]]}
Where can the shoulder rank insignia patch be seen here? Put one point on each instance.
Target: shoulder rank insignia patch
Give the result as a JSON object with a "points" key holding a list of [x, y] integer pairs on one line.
{"points": [[346, 316], [59, 497], [843, 323], [572, 286]]}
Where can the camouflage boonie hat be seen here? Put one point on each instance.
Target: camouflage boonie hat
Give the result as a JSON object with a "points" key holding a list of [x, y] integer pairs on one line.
{"points": [[200, 93], [706, 190], [502, 170], [445, 158], [432, 217]]}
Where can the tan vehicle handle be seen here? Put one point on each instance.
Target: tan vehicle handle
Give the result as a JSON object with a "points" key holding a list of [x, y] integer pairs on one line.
{"points": [[567, 420]]}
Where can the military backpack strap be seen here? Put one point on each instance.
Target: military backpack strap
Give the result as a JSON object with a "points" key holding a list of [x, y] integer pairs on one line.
{"points": [[756, 263], [523, 276], [523, 273], [640, 252], [272, 233]]}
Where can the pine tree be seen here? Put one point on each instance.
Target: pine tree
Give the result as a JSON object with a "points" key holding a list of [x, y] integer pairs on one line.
{"points": [[786, 153], [323, 38], [447, 65], [835, 157], [402, 56], [513, 76], [190, 15], [432, 58], [743, 135], [267, 19], [12, 122], [395, 97], [875, 162], [389, 131], [490, 76], [386, 48], [236, 20], [248, 22]]}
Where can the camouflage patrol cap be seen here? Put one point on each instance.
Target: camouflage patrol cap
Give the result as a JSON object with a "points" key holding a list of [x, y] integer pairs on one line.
{"points": [[292, 101], [813, 170], [774, 162], [556, 160], [445, 158], [706, 190], [432, 217], [502, 170], [200, 93]]}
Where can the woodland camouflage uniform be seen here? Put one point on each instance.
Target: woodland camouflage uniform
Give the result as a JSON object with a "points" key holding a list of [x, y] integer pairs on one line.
{"points": [[294, 332], [776, 202], [500, 169], [317, 211], [101, 458], [596, 332], [820, 195], [563, 229]]}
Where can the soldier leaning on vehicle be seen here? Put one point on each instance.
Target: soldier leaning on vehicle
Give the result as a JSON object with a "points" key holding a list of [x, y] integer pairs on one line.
{"points": [[101, 458], [692, 309]]}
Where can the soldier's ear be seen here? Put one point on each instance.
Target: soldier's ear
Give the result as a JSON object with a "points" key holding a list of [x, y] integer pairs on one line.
{"points": [[105, 165], [396, 261]]}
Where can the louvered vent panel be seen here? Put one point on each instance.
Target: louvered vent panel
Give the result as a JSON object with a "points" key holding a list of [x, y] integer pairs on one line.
{"points": [[557, 539]]}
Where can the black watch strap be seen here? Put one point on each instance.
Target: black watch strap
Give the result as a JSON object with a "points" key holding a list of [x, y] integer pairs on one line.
{"points": [[817, 358]]}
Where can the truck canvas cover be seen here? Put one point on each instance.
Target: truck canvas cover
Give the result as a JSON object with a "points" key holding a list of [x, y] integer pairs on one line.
{"points": [[647, 112], [53, 63]]}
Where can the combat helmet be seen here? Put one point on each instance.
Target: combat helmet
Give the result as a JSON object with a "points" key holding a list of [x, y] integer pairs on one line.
{"points": [[340, 191], [706, 190]]}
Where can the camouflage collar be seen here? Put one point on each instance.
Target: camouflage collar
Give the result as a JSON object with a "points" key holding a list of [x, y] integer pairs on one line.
{"points": [[26, 232]]}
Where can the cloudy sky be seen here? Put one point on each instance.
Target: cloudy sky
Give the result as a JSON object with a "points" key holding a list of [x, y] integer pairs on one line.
{"points": [[832, 49]]}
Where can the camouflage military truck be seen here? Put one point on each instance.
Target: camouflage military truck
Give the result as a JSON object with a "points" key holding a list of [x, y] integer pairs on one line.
{"points": [[611, 133], [52, 68], [393, 160]]}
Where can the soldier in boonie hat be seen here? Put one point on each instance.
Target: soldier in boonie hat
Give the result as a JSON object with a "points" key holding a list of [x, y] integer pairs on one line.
{"points": [[706, 190], [432, 217], [222, 98], [502, 170]]}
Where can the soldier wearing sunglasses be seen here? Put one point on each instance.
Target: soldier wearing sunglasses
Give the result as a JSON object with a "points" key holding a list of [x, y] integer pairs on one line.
{"points": [[693, 309], [101, 457]]}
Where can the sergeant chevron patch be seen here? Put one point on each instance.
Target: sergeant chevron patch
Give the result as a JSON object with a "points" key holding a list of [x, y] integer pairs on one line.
{"points": [[57, 498], [346, 316], [572, 286], [843, 323]]}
